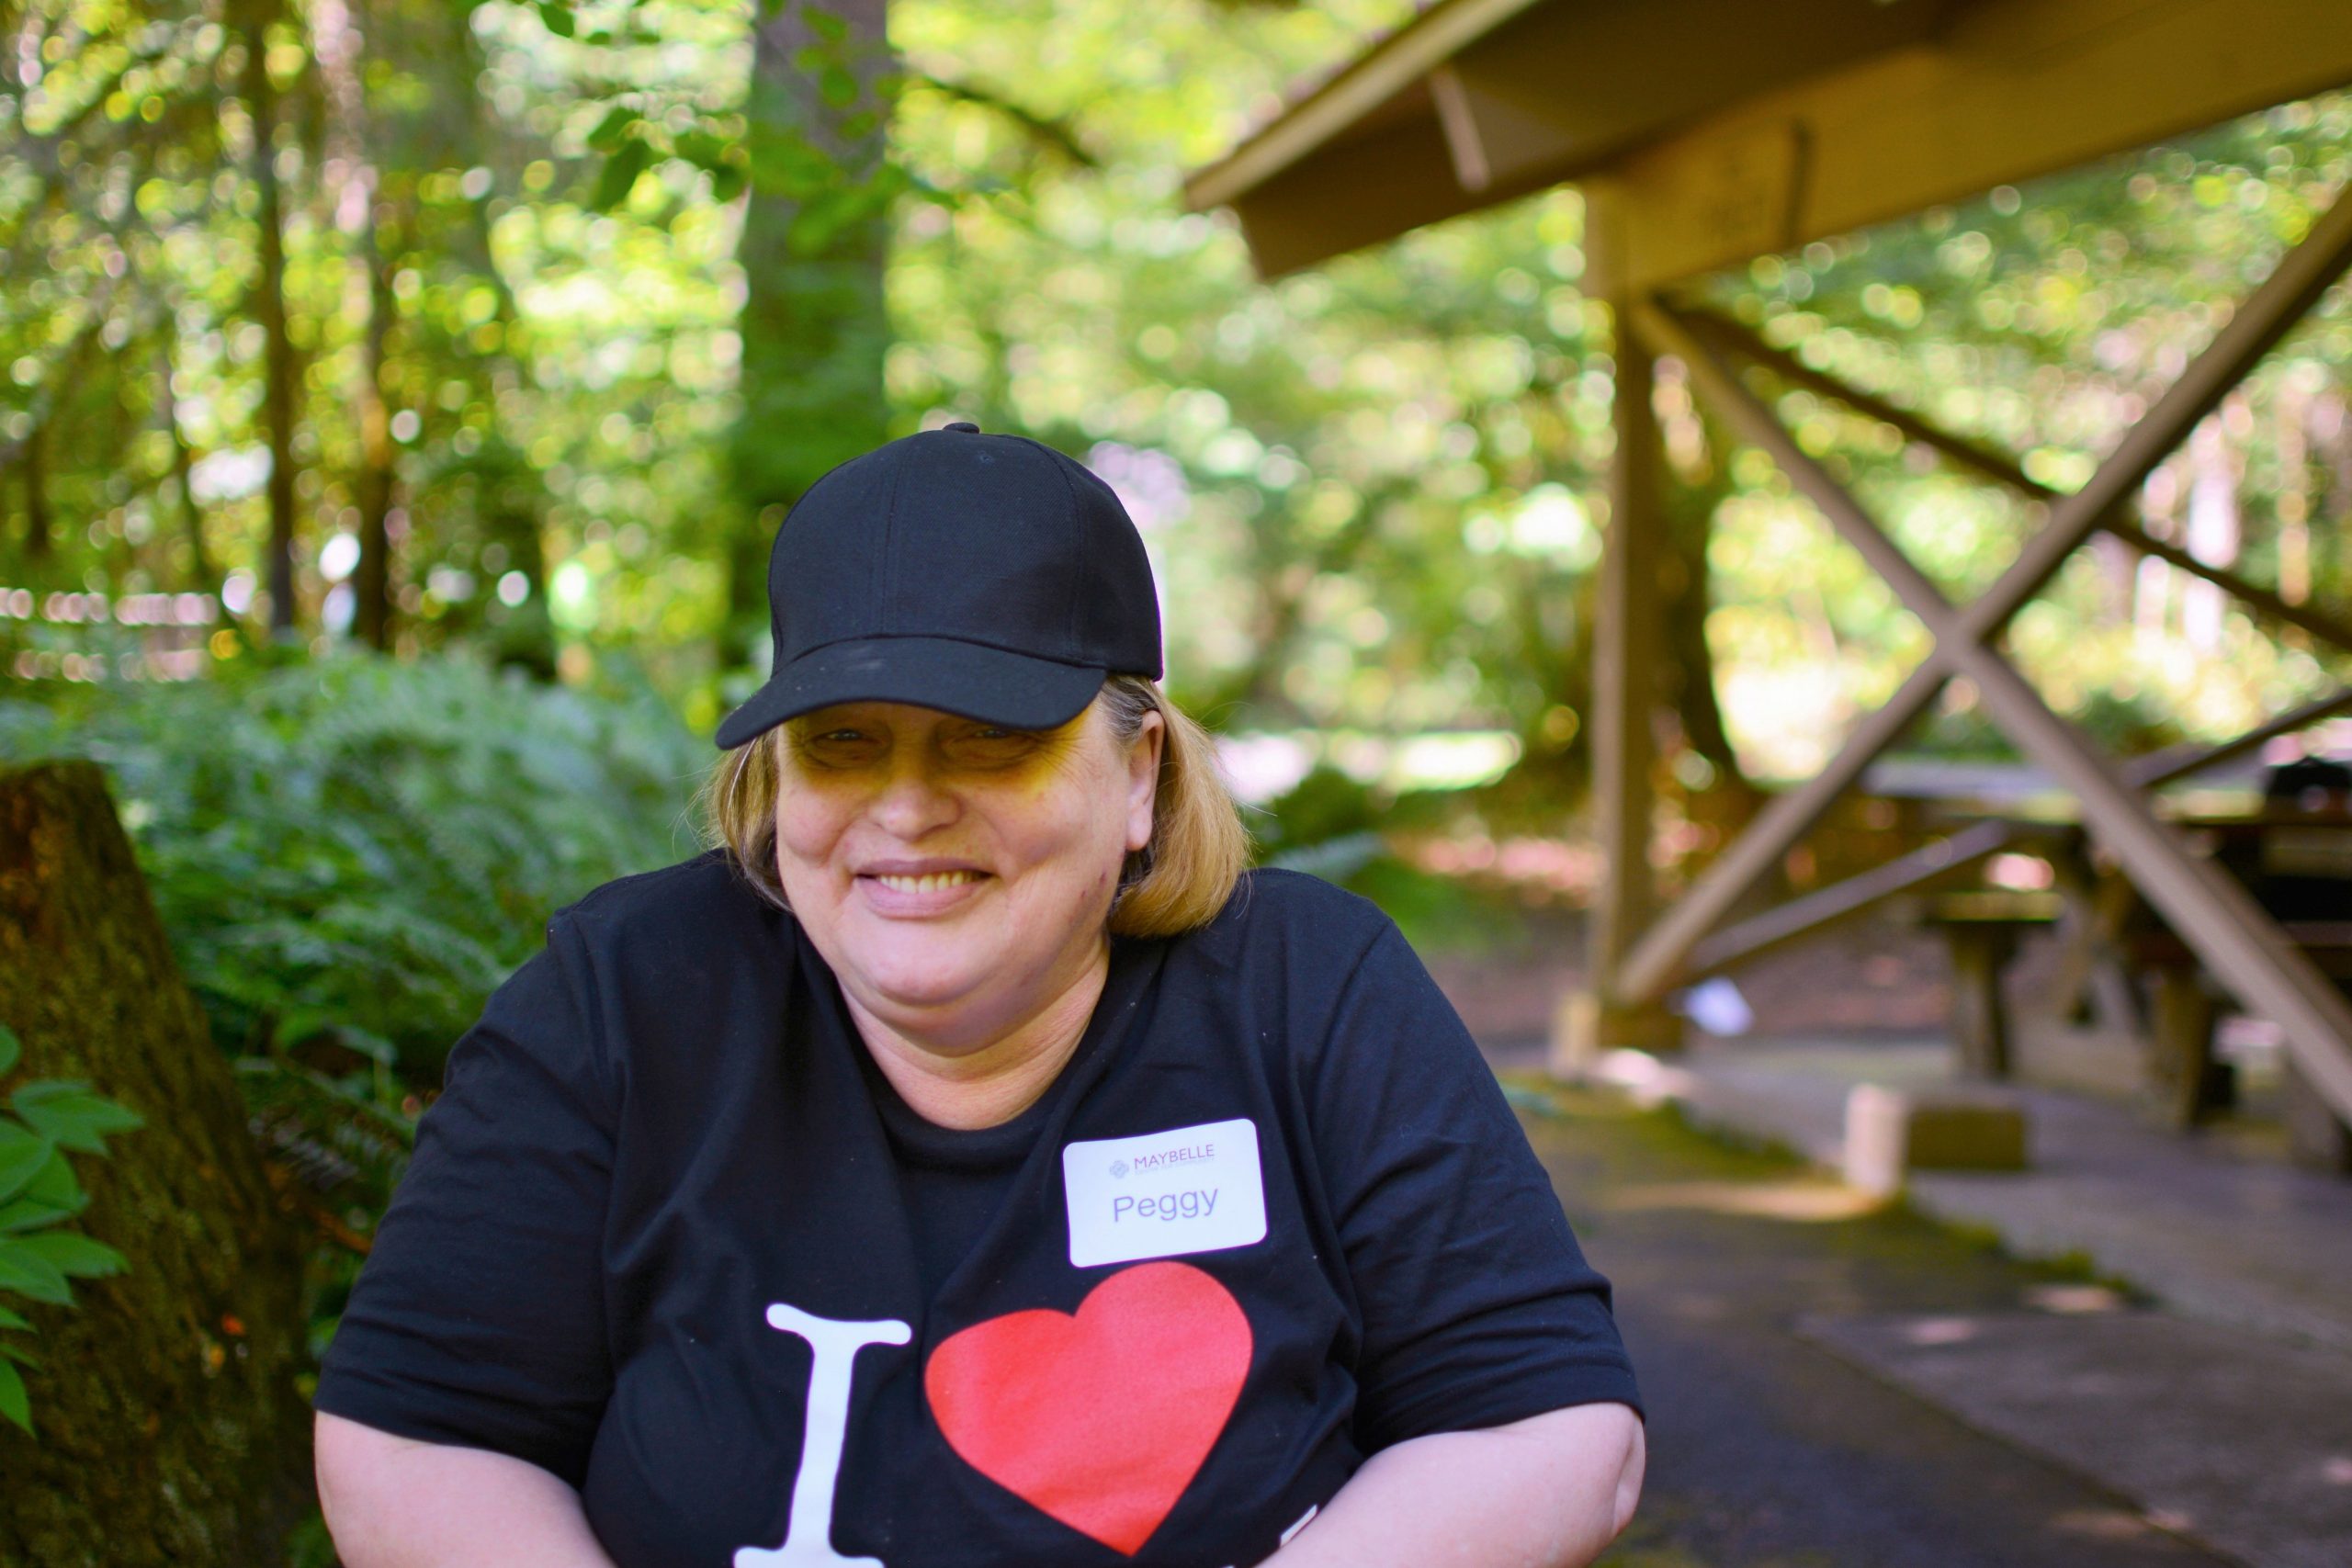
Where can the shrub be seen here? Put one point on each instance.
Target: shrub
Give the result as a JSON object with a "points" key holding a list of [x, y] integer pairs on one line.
{"points": [[356, 851]]}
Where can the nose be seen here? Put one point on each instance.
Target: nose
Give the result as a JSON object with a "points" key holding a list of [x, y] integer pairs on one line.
{"points": [[914, 800]]}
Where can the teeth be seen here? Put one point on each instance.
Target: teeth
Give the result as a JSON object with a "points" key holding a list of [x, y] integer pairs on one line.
{"points": [[930, 883]]}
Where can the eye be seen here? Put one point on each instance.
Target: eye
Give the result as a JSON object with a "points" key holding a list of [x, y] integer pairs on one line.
{"points": [[835, 744], [990, 744]]}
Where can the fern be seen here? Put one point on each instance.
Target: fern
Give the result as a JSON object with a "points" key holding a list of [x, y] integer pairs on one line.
{"points": [[353, 849]]}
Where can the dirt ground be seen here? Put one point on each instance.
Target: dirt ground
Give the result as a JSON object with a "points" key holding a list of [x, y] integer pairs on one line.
{"points": [[1878, 979]]}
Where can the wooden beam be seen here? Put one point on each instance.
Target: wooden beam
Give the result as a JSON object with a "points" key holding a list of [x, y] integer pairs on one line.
{"points": [[1394, 177], [2318, 623], [1841, 901], [1711, 325], [1655, 965], [2008, 90], [2213, 912], [2300, 277], [1844, 899], [2184, 760], [1973, 455], [2268, 314], [1357, 92], [1627, 641], [1535, 91]]}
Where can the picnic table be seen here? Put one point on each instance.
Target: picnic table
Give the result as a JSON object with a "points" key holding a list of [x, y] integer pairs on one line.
{"points": [[2118, 962]]}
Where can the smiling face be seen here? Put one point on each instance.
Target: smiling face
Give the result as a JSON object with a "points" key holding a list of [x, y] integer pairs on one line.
{"points": [[957, 876]]}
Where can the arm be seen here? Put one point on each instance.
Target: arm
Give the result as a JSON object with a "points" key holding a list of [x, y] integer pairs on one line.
{"points": [[394, 1502], [1548, 1492]]}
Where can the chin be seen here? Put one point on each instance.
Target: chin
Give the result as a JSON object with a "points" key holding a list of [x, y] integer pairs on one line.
{"points": [[923, 976]]}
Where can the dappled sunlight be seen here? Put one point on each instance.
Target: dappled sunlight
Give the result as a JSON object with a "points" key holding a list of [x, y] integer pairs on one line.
{"points": [[1804, 1202]]}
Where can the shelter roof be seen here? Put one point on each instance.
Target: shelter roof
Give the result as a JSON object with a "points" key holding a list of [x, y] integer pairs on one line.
{"points": [[1735, 129]]}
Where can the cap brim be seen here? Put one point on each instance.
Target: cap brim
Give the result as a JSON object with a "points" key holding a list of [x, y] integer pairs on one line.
{"points": [[969, 679]]}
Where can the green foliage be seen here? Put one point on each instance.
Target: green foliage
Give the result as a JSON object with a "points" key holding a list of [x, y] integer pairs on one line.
{"points": [[1328, 825], [352, 852], [39, 1194], [1323, 807]]}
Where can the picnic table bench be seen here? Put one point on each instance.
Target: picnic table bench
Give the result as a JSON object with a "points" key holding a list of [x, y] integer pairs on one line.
{"points": [[2120, 962]]}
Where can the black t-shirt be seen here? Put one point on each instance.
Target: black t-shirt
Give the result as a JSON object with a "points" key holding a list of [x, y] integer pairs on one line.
{"points": [[670, 1235]]}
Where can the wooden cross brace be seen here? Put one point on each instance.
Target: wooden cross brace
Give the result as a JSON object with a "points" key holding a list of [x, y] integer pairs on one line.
{"points": [[2210, 909]]}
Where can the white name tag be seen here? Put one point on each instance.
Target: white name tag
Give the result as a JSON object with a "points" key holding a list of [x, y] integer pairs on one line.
{"points": [[1164, 1194]]}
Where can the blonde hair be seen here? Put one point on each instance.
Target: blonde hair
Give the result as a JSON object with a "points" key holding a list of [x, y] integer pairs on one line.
{"points": [[1176, 883]]}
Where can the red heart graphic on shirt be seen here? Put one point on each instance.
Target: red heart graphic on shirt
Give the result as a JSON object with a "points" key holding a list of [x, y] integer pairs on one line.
{"points": [[1100, 1418]]}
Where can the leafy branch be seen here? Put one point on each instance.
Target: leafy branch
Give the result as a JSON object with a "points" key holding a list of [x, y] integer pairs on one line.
{"points": [[38, 1255]]}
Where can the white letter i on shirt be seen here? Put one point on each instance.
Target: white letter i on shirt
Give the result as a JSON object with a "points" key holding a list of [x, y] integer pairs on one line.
{"points": [[808, 1530]]}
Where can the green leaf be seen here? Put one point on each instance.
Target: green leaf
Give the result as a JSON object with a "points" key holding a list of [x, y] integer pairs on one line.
{"points": [[824, 23], [29, 1274], [14, 1404], [613, 130], [24, 1214], [557, 16], [22, 1153], [41, 1091], [726, 182], [76, 1255], [700, 148], [77, 1119], [620, 176], [11, 1320], [53, 1186], [10, 1048]]}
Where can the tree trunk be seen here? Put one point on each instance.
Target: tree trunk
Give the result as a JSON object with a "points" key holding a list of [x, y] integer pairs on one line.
{"points": [[39, 540], [170, 1427], [338, 44], [199, 575], [278, 374], [814, 327], [373, 581], [1690, 504]]}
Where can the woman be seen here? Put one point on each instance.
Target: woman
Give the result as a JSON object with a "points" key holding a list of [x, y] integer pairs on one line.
{"points": [[965, 1165]]}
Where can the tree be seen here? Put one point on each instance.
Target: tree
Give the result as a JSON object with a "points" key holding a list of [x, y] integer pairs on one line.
{"points": [[816, 239], [166, 1403]]}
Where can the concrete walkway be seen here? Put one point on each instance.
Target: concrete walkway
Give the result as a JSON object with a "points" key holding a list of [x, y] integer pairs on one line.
{"points": [[2215, 1392], [2201, 1227], [1772, 1448]]}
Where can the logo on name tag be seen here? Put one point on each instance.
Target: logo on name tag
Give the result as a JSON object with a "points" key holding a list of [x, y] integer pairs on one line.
{"points": [[1164, 1194]]}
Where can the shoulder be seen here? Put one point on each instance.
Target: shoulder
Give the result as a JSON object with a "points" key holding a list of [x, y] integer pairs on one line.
{"points": [[1298, 924], [701, 906]]}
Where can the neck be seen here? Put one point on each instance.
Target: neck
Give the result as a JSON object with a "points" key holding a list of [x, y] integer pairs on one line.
{"points": [[950, 1080]]}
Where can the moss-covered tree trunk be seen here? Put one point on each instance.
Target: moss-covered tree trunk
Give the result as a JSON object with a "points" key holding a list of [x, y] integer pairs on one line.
{"points": [[170, 1427]]}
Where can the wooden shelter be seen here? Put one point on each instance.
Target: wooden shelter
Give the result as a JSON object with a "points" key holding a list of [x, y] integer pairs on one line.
{"points": [[1707, 132]]}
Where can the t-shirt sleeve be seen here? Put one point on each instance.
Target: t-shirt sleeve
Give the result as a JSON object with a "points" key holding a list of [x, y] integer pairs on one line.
{"points": [[479, 1316], [1477, 1306]]}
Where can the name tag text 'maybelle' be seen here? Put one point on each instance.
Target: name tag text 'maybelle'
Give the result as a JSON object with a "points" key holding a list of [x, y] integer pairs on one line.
{"points": [[1164, 1194]]}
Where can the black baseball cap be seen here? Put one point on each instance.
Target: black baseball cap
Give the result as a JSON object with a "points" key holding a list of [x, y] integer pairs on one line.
{"points": [[989, 576]]}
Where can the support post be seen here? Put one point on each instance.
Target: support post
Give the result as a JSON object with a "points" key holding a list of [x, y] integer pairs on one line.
{"points": [[1629, 637]]}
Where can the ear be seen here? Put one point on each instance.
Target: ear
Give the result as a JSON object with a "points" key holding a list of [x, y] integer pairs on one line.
{"points": [[1143, 778]]}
